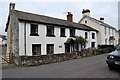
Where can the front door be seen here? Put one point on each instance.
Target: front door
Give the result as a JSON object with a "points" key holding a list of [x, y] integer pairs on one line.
{"points": [[67, 48]]}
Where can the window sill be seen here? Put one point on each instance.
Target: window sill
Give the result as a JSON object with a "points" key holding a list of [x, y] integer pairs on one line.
{"points": [[50, 35], [34, 35], [62, 36], [72, 36]]}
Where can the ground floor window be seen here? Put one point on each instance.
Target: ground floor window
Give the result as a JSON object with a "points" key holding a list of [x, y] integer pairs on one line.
{"points": [[92, 44], [36, 49], [50, 48]]}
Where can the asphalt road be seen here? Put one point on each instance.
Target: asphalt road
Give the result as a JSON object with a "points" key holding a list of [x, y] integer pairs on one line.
{"points": [[90, 67]]}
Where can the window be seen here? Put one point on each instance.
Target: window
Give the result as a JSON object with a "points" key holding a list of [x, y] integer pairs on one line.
{"points": [[50, 31], [36, 49], [105, 31], [72, 32], [92, 44], [34, 30], [85, 21], [50, 48], [62, 30], [112, 32], [109, 31], [106, 41], [86, 35], [93, 35]]}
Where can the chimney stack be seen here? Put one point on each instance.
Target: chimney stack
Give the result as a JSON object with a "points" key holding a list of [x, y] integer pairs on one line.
{"points": [[101, 19], [86, 12], [70, 17], [11, 6]]}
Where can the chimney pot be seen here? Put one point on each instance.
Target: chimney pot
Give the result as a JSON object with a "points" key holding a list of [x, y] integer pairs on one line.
{"points": [[101, 19], [86, 12], [12, 6]]}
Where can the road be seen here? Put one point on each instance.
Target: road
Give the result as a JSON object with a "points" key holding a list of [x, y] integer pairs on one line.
{"points": [[90, 67]]}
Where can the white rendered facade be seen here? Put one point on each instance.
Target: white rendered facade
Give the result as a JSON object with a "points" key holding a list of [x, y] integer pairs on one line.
{"points": [[26, 41]]}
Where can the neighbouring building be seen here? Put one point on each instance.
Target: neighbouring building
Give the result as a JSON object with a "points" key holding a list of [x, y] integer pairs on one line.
{"points": [[33, 34], [107, 35], [3, 40]]}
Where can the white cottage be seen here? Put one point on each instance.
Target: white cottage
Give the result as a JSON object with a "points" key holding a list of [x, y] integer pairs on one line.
{"points": [[107, 35], [33, 34]]}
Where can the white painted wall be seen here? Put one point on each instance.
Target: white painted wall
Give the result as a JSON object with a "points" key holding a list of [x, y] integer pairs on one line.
{"points": [[43, 40]]}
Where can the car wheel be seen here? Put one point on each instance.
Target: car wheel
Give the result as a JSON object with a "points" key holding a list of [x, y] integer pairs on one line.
{"points": [[111, 67]]}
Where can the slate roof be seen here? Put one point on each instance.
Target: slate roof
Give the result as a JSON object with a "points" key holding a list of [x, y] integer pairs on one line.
{"points": [[97, 21], [49, 20]]}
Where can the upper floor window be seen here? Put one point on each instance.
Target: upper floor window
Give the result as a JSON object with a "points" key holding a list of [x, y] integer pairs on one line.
{"points": [[93, 35], [62, 30], [105, 31], [72, 32], [112, 32], [86, 35], [50, 31], [109, 31], [36, 49], [34, 30], [85, 21]]}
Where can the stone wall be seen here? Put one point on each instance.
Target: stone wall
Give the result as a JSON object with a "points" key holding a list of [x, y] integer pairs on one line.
{"points": [[3, 49], [46, 59]]}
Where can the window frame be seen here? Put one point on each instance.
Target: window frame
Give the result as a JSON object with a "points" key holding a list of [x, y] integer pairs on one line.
{"points": [[92, 44], [86, 35], [51, 52], [93, 35], [38, 49], [72, 32], [105, 30], [34, 27], [62, 32], [50, 34]]}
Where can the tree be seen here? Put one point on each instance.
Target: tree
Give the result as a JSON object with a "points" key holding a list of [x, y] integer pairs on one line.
{"points": [[80, 41]]}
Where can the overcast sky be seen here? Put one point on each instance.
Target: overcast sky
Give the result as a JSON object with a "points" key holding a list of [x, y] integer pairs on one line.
{"points": [[59, 8]]}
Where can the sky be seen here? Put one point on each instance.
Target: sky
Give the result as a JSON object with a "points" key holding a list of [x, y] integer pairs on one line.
{"points": [[59, 8]]}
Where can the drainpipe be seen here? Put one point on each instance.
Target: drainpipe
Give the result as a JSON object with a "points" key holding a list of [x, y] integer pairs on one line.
{"points": [[25, 37]]}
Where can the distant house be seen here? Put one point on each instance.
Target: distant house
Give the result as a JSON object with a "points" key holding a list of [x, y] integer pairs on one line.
{"points": [[107, 35], [3, 39], [34, 35]]}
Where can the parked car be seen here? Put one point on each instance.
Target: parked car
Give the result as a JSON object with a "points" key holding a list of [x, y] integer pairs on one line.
{"points": [[113, 59]]}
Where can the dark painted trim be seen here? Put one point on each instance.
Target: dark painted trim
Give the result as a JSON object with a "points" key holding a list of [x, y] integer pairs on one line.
{"points": [[56, 25]]}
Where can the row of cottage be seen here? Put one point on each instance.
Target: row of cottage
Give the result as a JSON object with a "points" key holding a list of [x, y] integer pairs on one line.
{"points": [[32, 34]]}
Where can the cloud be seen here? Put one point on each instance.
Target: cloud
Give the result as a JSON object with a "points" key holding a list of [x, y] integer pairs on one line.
{"points": [[108, 10]]}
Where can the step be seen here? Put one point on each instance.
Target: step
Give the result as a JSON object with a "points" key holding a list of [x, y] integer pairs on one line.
{"points": [[3, 60]]}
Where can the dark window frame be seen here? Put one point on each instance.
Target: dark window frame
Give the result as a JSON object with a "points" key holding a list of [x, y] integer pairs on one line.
{"points": [[93, 35], [72, 32], [49, 32], [36, 49], [92, 44], [86, 35], [34, 30], [85, 21], [62, 32], [49, 52], [105, 30]]}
